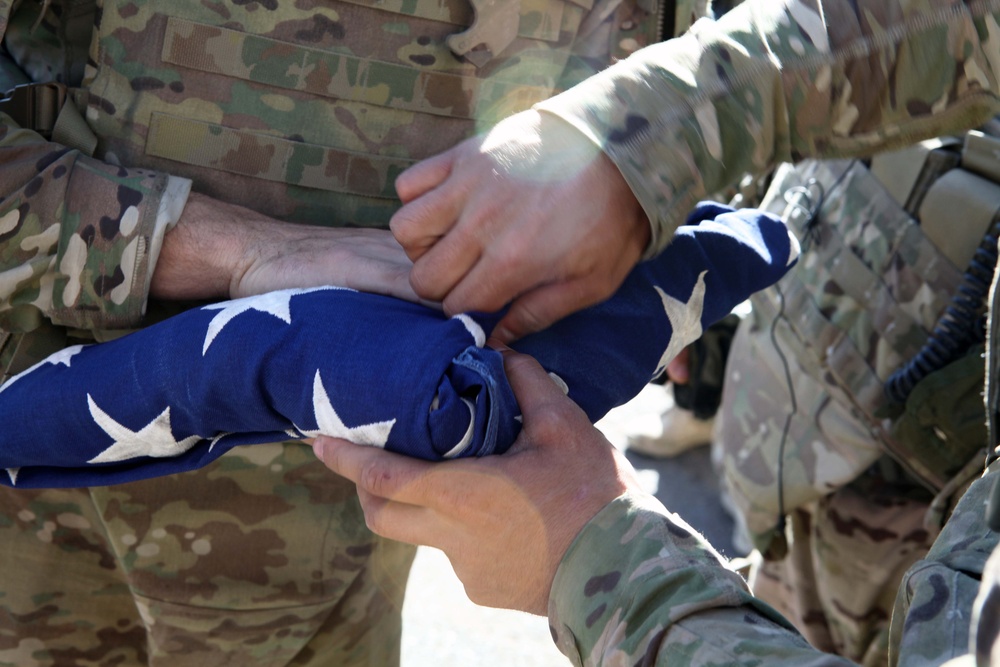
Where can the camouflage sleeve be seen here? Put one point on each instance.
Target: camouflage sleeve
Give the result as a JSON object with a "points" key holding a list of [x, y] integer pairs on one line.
{"points": [[781, 80], [938, 593], [78, 237], [985, 644], [639, 586]]}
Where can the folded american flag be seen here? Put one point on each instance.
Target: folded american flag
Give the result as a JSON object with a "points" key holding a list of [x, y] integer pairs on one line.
{"points": [[371, 369]]}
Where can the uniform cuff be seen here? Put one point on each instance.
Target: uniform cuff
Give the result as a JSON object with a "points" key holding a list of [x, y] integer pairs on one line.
{"points": [[175, 195], [113, 222], [667, 188], [624, 553]]}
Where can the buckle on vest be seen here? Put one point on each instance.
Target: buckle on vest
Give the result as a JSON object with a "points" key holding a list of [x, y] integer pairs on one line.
{"points": [[35, 106], [493, 28]]}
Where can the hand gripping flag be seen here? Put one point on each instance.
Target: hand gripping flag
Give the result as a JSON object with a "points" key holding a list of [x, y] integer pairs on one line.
{"points": [[371, 369]]}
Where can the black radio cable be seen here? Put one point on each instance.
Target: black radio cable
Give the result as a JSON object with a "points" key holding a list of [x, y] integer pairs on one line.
{"points": [[959, 327]]}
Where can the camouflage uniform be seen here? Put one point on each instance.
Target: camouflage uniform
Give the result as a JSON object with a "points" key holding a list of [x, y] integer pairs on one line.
{"points": [[783, 81], [305, 111], [639, 586], [858, 472]]}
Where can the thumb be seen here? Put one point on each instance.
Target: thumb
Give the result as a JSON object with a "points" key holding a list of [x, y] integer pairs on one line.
{"points": [[542, 400], [679, 368]]}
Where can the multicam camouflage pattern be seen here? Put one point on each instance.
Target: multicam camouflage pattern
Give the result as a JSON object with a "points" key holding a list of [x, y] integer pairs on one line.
{"points": [[305, 111], [847, 553], [863, 299], [865, 296], [937, 593], [985, 636], [56, 270], [780, 81], [263, 559], [638, 586], [319, 108]]}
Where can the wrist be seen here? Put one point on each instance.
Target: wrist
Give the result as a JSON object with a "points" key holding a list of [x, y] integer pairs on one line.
{"points": [[204, 255]]}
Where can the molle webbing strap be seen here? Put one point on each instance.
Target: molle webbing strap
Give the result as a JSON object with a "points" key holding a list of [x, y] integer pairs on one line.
{"points": [[47, 109], [839, 353], [272, 158], [848, 376], [336, 76], [886, 317], [852, 300], [540, 19], [43, 107], [35, 106], [873, 283]]}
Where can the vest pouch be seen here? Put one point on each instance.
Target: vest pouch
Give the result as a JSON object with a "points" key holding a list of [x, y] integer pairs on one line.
{"points": [[943, 425]]}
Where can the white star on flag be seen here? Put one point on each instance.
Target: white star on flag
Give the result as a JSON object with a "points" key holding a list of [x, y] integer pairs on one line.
{"points": [[328, 422], [156, 439], [12, 473], [685, 320], [272, 303], [63, 357]]}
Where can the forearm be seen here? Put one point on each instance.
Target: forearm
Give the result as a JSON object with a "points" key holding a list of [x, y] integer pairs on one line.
{"points": [[206, 253], [639, 585], [781, 81], [84, 244]]}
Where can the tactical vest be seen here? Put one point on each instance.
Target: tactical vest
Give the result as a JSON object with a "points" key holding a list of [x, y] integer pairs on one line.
{"points": [[885, 251], [308, 111]]}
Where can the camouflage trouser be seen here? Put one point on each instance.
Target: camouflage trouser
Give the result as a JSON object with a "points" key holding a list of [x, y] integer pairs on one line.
{"points": [[847, 554], [262, 558]]}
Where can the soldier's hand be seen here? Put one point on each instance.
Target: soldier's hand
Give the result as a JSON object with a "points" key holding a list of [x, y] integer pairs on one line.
{"points": [[679, 368], [505, 522], [220, 250], [531, 213]]}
